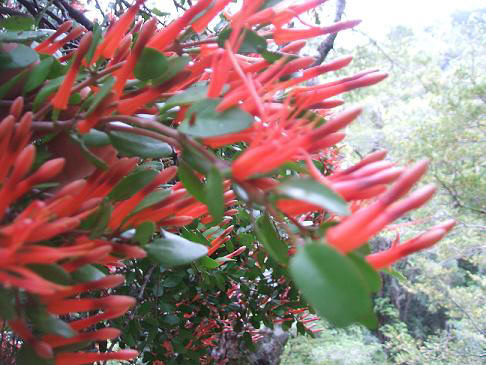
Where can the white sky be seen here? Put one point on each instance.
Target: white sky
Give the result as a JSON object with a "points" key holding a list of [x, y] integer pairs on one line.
{"points": [[379, 15]]}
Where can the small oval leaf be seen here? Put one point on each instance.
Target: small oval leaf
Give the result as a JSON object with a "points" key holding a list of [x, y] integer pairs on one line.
{"points": [[133, 145], [202, 120], [312, 192], [173, 250]]}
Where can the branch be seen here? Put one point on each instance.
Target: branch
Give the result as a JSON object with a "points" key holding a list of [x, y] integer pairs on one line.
{"points": [[455, 196], [328, 44], [75, 14], [12, 12]]}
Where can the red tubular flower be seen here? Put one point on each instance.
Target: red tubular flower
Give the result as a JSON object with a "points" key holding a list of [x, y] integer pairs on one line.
{"points": [[384, 259], [202, 22], [124, 73], [282, 36], [64, 27], [294, 47], [112, 39], [283, 17], [122, 210], [60, 100], [166, 36], [80, 358], [72, 35], [366, 222]]}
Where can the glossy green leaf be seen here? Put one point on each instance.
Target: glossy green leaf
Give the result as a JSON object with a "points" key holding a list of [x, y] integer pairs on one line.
{"points": [[188, 96], [131, 184], [332, 284], [196, 159], [144, 232], [202, 120], [7, 304], [52, 272], [191, 182], [88, 154], [95, 41], [133, 145], [173, 250], [208, 263], [103, 216], [38, 74], [174, 66], [311, 191], [370, 276], [101, 94], [49, 324], [151, 64], [6, 86], [27, 356], [46, 91], [19, 57], [269, 237], [95, 138], [22, 36], [18, 23], [151, 199], [87, 273], [214, 191], [252, 42]]}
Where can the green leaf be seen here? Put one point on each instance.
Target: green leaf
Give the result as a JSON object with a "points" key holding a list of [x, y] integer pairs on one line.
{"points": [[19, 57], [370, 276], [101, 94], [311, 191], [196, 159], [214, 191], [151, 64], [38, 74], [269, 4], [188, 96], [95, 138], [27, 356], [269, 237], [332, 284], [22, 36], [52, 272], [191, 182], [208, 263], [49, 324], [5, 87], [85, 151], [174, 66], [46, 91], [95, 41], [103, 216], [133, 145], [396, 274], [202, 120], [144, 232], [7, 304], [17, 22], [252, 42], [131, 184], [151, 199], [87, 273], [173, 250]]}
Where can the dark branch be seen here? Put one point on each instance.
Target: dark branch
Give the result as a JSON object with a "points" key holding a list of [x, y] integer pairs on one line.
{"points": [[75, 14], [328, 44], [12, 12]]}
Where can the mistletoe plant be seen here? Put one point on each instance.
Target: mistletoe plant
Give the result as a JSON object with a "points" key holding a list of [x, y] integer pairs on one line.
{"points": [[200, 165]]}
